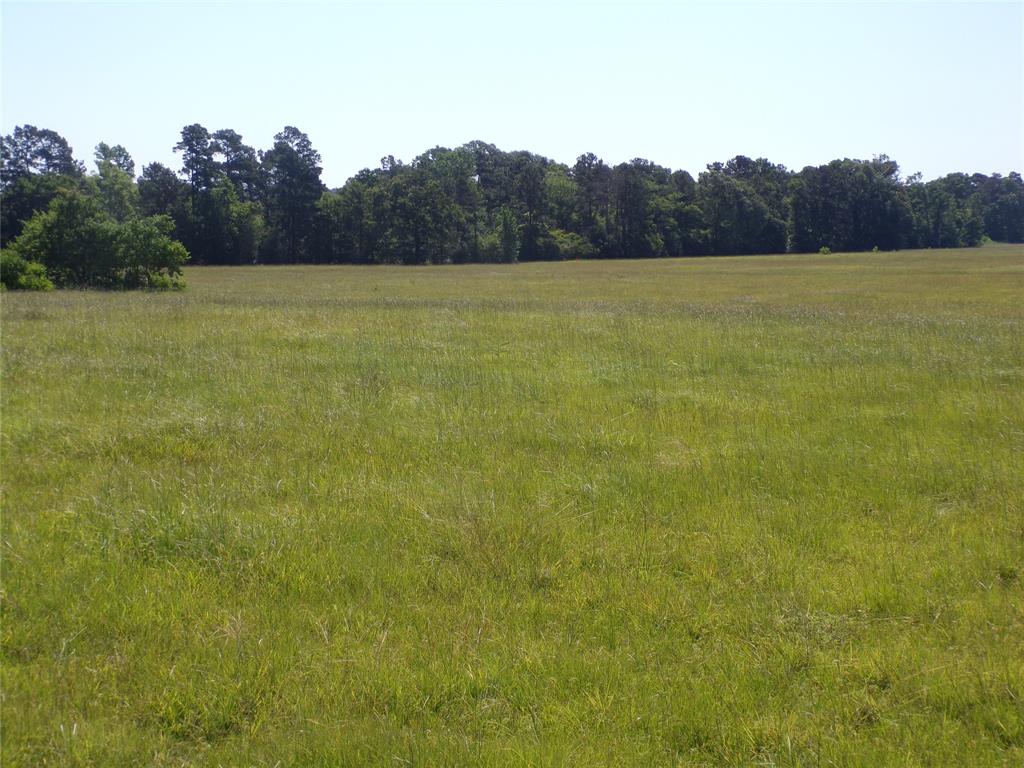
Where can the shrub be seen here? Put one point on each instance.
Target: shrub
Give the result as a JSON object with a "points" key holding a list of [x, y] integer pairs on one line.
{"points": [[824, 250], [502, 243], [18, 274], [149, 257], [80, 245], [569, 245]]}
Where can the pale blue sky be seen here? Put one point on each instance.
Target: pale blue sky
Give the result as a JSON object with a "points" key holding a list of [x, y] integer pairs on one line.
{"points": [[936, 86]]}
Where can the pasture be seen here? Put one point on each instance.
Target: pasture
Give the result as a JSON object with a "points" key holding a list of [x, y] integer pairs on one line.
{"points": [[734, 511]]}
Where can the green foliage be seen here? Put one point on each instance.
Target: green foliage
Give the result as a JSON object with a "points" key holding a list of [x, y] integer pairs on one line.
{"points": [[18, 274], [29, 150], [147, 256], [26, 195], [826, 251], [80, 245], [850, 205], [162, 192], [502, 243], [233, 205], [117, 191], [115, 155], [738, 220], [570, 245], [74, 238], [236, 227], [293, 170]]}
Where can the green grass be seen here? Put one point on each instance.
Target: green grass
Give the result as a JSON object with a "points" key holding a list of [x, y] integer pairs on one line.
{"points": [[737, 511]]}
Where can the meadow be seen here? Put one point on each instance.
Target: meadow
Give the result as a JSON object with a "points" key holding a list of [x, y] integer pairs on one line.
{"points": [[733, 511]]}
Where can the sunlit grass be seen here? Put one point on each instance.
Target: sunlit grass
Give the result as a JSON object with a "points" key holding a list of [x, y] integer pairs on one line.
{"points": [[700, 512]]}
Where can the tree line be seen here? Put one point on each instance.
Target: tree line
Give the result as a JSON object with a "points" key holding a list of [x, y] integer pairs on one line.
{"points": [[232, 204]]}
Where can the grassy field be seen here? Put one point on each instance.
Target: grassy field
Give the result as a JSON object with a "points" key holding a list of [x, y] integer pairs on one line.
{"points": [[738, 511]]}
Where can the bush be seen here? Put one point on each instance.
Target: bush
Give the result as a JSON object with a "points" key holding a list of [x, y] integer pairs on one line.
{"points": [[502, 243], [149, 257], [80, 245], [18, 274], [569, 245], [825, 250]]}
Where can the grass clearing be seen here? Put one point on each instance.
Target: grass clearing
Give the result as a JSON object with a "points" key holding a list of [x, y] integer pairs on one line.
{"points": [[763, 510]]}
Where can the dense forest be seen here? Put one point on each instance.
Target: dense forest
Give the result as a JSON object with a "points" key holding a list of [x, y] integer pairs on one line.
{"points": [[232, 204]]}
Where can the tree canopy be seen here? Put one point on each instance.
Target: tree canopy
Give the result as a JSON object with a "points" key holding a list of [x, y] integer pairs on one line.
{"points": [[230, 203]]}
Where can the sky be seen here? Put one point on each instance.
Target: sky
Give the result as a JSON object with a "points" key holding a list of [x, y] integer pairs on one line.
{"points": [[937, 86]]}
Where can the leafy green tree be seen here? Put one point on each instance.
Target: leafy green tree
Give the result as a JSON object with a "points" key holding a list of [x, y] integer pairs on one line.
{"points": [[570, 245], [634, 186], [239, 163], [30, 150], [502, 242], [162, 192], [200, 171], [530, 200], [493, 174], [81, 245], [770, 182], [737, 219], [73, 238], [455, 171], [421, 220], [561, 194], [593, 205], [147, 257], [347, 223], [26, 195], [35, 164], [235, 227], [17, 274], [849, 205], [115, 155], [117, 191], [293, 189], [198, 164], [999, 201], [944, 213]]}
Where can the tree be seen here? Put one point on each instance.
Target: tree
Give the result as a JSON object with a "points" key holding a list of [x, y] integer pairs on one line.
{"points": [[235, 228], [594, 191], [116, 155], [147, 257], [198, 165], [80, 245], [737, 219], [293, 189], [347, 226], [634, 186], [502, 243], [26, 195], [72, 238], [1000, 202], [851, 205], [30, 150], [421, 220], [17, 274], [530, 199], [455, 170], [561, 194], [493, 174], [239, 163], [117, 191], [945, 213], [161, 191]]}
